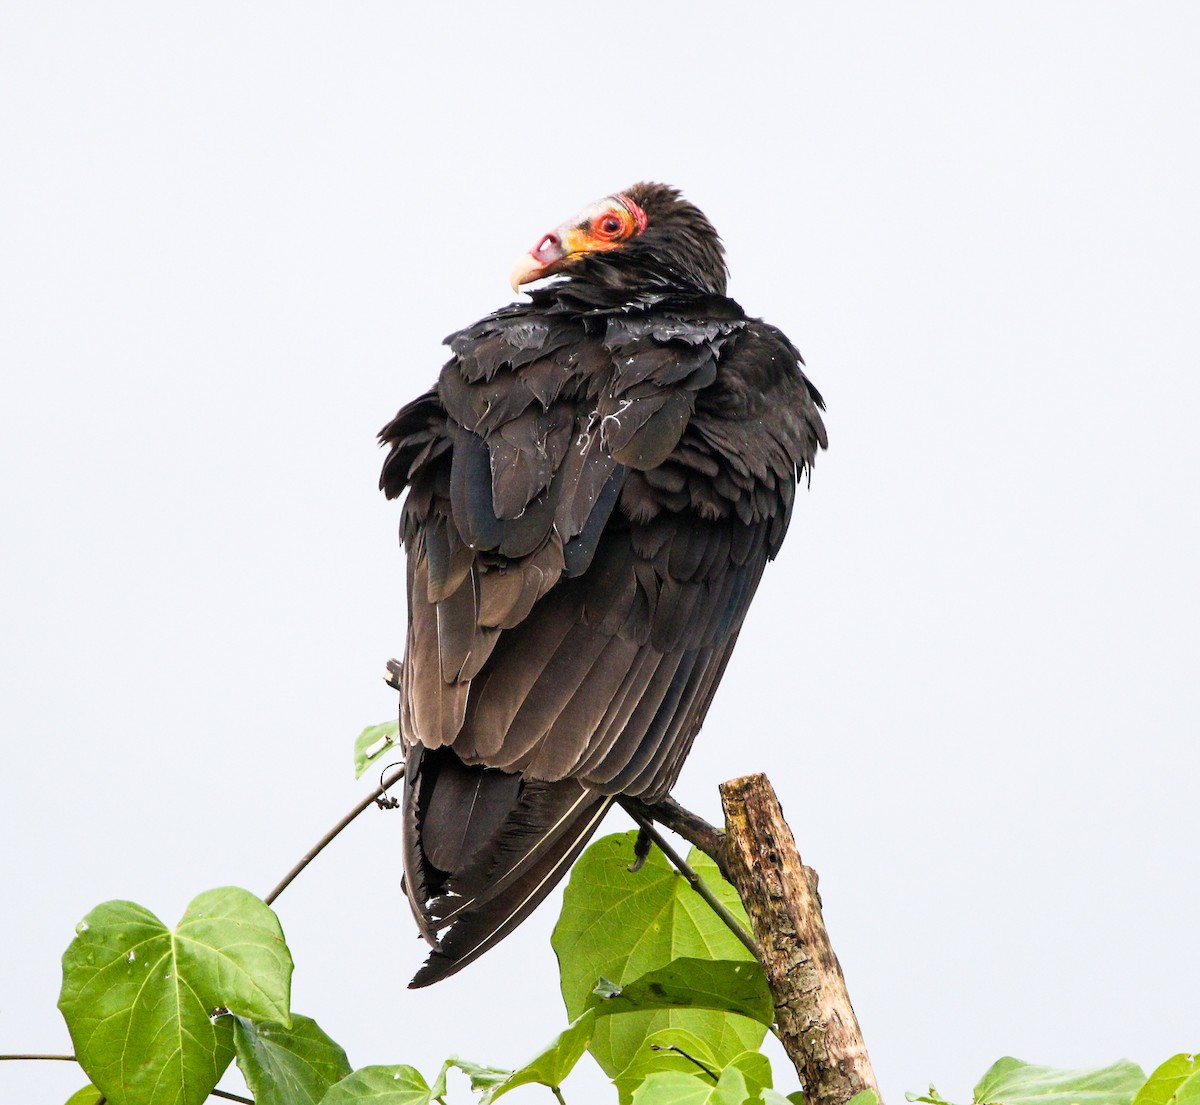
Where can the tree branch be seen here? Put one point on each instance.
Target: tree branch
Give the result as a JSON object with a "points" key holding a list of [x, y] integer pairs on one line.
{"points": [[817, 1025]]}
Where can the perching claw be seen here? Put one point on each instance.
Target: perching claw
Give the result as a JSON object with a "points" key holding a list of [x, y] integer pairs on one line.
{"points": [[641, 849]]}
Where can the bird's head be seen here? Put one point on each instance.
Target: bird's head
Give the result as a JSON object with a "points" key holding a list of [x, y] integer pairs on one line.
{"points": [[646, 238]]}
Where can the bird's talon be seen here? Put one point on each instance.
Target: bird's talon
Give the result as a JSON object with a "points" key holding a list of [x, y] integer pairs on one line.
{"points": [[641, 850]]}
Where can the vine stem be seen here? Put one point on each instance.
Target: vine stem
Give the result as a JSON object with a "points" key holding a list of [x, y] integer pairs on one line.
{"points": [[59, 1058], [225, 1094], [694, 881], [385, 784]]}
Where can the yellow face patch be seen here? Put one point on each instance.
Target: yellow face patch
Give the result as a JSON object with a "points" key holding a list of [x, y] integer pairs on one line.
{"points": [[601, 226]]}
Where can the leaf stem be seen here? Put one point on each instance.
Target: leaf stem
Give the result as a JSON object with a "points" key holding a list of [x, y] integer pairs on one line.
{"points": [[558, 1094], [694, 881], [319, 847]]}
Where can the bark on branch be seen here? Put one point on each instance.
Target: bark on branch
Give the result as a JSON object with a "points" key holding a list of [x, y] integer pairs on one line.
{"points": [[817, 1025]]}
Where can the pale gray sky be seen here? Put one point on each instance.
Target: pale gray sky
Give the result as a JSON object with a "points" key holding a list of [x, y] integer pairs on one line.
{"points": [[231, 239]]}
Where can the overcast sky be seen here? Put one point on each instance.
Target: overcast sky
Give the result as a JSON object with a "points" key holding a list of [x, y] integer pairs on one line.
{"points": [[232, 237]]}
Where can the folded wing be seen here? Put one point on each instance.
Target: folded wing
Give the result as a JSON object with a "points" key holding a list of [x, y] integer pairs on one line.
{"points": [[591, 503]]}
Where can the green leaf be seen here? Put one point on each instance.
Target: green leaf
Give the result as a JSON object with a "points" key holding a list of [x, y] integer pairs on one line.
{"points": [[1010, 1081], [669, 1049], [89, 1095], [398, 1085], [287, 1066], [553, 1063], [374, 743], [438, 1089], [774, 1097], [139, 1000], [620, 925], [237, 946], [756, 1069], [930, 1098], [736, 986], [864, 1097], [673, 1088], [482, 1078], [1176, 1082]]}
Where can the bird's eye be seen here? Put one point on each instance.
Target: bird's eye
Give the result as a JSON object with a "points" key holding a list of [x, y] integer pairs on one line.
{"points": [[609, 226]]}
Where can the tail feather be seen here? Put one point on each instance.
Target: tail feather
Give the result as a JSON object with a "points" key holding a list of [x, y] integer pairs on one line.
{"points": [[483, 847], [544, 813]]}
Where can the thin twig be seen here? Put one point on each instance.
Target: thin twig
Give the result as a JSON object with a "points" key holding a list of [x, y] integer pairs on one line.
{"points": [[694, 881], [317, 848], [690, 1058]]}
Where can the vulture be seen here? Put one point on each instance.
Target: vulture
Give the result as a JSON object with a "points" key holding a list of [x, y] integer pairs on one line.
{"points": [[594, 486]]}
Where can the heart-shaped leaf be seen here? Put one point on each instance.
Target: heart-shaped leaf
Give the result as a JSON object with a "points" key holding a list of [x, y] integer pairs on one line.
{"points": [[142, 1003], [620, 925]]}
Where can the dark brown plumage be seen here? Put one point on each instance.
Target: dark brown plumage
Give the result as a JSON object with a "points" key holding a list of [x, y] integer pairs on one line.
{"points": [[595, 485]]}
